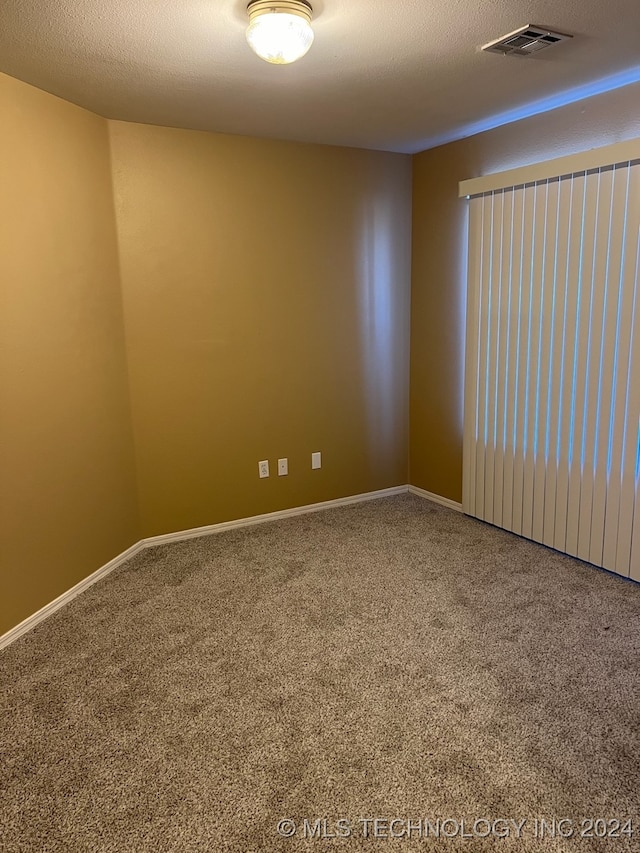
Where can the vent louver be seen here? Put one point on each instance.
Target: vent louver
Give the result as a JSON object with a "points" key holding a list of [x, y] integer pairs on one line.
{"points": [[526, 41]]}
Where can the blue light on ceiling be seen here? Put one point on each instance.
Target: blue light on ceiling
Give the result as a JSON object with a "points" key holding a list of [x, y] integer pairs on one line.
{"points": [[542, 105]]}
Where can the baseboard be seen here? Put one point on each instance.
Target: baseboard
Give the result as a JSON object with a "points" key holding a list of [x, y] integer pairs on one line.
{"points": [[210, 529], [31, 621], [46, 611], [438, 499]]}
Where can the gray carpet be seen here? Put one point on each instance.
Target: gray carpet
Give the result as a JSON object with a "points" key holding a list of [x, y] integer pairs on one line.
{"points": [[390, 660]]}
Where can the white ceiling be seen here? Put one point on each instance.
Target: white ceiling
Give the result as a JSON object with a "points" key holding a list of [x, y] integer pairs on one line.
{"points": [[398, 75]]}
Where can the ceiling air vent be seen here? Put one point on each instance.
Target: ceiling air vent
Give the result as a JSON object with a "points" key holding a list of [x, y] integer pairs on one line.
{"points": [[525, 41]]}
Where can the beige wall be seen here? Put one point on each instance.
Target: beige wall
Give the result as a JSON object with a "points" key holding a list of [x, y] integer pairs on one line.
{"points": [[266, 293], [438, 264], [67, 488], [266, 288]]}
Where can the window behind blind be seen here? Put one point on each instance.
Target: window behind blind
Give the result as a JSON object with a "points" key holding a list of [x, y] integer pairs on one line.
{"points": [[552, 383]]}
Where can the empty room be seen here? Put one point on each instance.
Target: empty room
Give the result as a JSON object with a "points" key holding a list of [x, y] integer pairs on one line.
{"points": [[319, 426]]}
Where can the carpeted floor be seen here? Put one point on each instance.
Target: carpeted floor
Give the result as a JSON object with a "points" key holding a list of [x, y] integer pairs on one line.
{"points": [[390, 660]]}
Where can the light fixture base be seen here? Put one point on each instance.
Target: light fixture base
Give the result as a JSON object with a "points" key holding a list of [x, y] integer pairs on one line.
{"points": [[291, 7]]}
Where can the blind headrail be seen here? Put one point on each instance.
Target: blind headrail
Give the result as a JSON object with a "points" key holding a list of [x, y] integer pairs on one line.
{"points": [[595, 158]]}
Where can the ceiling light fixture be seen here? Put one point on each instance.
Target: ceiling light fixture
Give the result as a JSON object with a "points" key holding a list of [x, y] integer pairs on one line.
{"points": [[280, 30]]}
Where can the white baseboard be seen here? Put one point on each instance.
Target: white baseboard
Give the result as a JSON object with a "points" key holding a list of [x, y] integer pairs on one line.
{"points": [[46, 611], [195, 532], [31, 621], [435, 498]]}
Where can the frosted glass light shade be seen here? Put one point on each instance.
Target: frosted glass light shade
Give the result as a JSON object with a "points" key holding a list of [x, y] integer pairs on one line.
{"points": [[280, 31]]}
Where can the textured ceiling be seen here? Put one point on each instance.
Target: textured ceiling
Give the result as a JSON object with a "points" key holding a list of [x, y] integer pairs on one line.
{"points": [[391, 74]]}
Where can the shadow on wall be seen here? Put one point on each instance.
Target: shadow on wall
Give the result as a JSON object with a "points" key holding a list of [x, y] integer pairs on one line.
{"points": [[384, 326]]}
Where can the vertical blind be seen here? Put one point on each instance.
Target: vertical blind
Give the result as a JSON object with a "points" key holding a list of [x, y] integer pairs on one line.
{"points": [[552, 382]]}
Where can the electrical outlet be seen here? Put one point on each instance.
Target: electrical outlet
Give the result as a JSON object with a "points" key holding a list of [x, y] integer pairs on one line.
{"points": [[283, 467], [316, 460], [263, 468]]}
